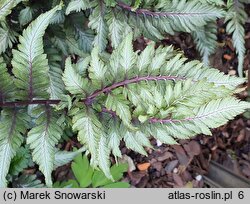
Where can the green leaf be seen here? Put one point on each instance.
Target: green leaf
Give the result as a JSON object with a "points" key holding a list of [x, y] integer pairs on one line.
{"points": [[132, 143], [85, 40], [99, 179], [117, 29], [66, 184], [64, 157], [137, 4], [117, 185], [82, 170]]}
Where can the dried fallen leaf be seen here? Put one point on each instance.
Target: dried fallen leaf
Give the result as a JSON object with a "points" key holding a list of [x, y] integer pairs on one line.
{"points": [[166, 155], [157, 166], [143, 166], [189, 185], [171, 165], [136, 176], [181, 155], [192, 148], [178, 180], [241, 136], [227, 57]]}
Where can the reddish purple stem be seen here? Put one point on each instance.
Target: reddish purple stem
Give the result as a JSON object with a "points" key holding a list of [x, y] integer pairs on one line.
{"points": [[88, 100], [154, 13]]}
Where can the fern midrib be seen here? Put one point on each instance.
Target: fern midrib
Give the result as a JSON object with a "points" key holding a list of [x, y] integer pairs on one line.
{"points": [[46, 137], [13, 124], [156, 120], [157, 14], [106, 89], [91, 139], [8, 148], [30, 60]]}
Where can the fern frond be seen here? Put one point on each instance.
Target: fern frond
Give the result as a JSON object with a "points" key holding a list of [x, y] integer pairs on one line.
{"points": [[27, 181], [7, 37], [85, 39], [73, 81], [120, 106], [236, 18], [103, 156], [64, 157], [30, 64], [77, 6], [72, 44], [26, 15], [42, 140], [114, 136], [7, 87], [213, 2], [170, 16], [210, 115], [13, 124], [20, 161], [56, 86], [98, 23], [6, 6], [117, 29], [89, 129], [153, 21], [133, 143], [206, 40], [97, 69], [153, 93]]}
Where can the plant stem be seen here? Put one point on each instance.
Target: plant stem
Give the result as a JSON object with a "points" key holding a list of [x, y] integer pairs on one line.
{"points": [[89, 99], [147, 12]]}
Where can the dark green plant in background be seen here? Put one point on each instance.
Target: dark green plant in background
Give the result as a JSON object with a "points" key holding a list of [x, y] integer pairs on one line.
{"points": [[57, 79], [86, 176]]}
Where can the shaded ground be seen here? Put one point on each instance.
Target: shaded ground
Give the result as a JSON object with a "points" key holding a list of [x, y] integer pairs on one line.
{"points": [[184, 165]]}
